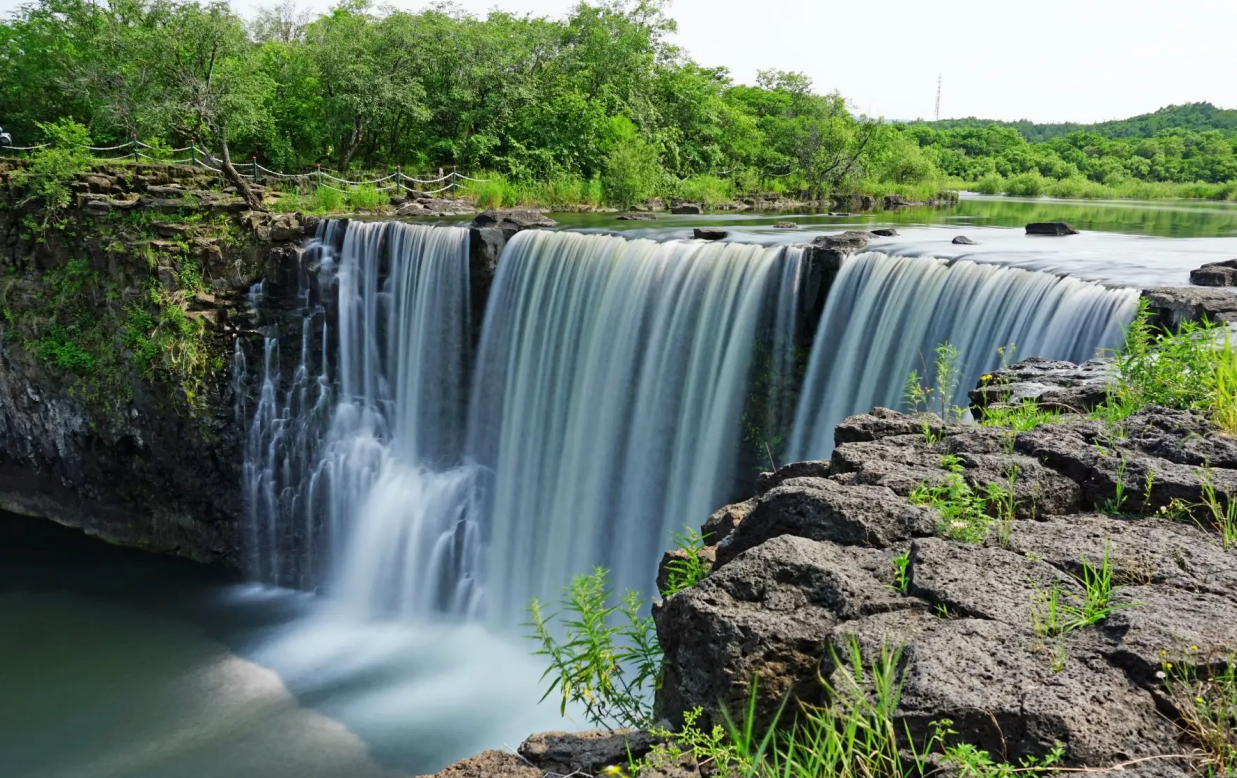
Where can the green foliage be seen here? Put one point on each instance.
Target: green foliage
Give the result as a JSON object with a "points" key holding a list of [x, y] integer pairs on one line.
{"points": [[971, 762], [964, 511], [52, 169], [1203, 692], [1223, 513], [1026, 415], [607, 661], [631, 171], [938, 394], [901, 576], [366, 197], [688, 569]]}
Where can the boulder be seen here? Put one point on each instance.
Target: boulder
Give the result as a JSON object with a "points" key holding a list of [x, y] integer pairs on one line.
{"points": [[1052, 384], [851, 240], [637, 217], [174, 229], [1174, 305], [97, 208], [1050, 228], [822, 509], [768, 613], [885, 232], [1215, 274], [963, 240], [707, 233], [895, 201], [723, 521], [1000, 686], [686, 208], [163, 205], [412, 209], [513, 220], [585, 753], [812, 469], [655, 204]]}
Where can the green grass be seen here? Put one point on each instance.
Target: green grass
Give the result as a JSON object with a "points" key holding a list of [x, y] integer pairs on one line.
{"points": [[689, 569], [901, 574], [964, 511], [1203, 691], [1026, 415]]}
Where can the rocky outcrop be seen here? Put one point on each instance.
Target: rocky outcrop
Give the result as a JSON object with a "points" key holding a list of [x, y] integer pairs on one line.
{"points": [[805, 575], [1050, 228], [117, 402], [1174, 305], [686, 209], [637, 217], [1216, 274], [708, 233], [512, 221]]}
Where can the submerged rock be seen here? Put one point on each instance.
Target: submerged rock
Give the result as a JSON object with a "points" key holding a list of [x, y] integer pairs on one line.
{"points": [[1216, 274], [637, 217], [786, 226], [1050, 228], [885, 232], [686, 208], [708, 233]]}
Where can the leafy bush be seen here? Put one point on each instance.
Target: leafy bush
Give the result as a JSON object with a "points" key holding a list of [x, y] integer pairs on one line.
{"points": [[53, 168], [367, 197], [608, 661], [632, 171], [1030, 184], [706, 190]]}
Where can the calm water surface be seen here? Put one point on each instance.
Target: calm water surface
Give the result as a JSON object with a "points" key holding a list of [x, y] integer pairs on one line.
{"points": [[119, 664]]}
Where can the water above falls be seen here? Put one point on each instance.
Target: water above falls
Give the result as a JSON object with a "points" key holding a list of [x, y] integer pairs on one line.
{"points": [[886, 315]]}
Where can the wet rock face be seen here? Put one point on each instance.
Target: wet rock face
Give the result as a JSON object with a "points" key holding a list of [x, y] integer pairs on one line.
{"points": [[1050, 228], [1175, 305], [137, 461], [805, 574]]}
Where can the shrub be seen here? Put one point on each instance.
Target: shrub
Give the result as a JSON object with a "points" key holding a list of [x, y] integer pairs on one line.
{"points": [[631, 167], [53, 168], [608, 661], [706, 190], [1030, 184]]}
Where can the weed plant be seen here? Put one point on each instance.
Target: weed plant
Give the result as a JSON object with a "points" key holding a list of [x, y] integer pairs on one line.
{"points": [[964, 510], [608, 661], [688, 569], [1203, 690]]}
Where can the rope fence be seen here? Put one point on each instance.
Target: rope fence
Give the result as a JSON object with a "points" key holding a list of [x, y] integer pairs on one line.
{"points": [[200, 156]]}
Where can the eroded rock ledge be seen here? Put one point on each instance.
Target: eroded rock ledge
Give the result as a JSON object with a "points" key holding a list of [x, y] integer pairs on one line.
{"points": [[806, 569]]}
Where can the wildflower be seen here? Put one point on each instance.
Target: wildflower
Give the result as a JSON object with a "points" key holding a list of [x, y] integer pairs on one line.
{"points": [[1193, 648], [1160, 674], [986, 377], [1199, 700], [1168, 665]]}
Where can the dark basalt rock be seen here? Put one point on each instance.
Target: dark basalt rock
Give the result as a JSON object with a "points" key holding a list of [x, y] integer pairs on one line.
{"points": [[1052, 384], [1175, 305], [513, 220], [686, 208], [707, 233], [637, 217], [963, 240], [769, 612], [1050, 228], [490, 764], [851, 240], [786, 226], [585, 753], [1216, 274], [885, 232], [895, 201], [807, 573]]}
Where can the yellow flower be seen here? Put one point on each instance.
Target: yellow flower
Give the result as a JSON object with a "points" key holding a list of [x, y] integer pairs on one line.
{"points": [[986, 377], [1193, 648], [1198, 699], [1169, 665]]}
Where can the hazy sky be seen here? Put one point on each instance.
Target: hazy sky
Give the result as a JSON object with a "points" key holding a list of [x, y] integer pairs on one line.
{"points": [[1051, 60]]}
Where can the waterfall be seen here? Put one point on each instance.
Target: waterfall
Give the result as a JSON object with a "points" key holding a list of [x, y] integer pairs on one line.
{"points": [[612, 379], [351, 469], [885, 315]]}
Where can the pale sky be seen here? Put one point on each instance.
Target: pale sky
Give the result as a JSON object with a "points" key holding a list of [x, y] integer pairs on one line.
{"points": [[1048, 61]]}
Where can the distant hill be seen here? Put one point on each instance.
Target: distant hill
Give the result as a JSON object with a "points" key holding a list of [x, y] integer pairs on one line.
{"points": [[1194, 116]]}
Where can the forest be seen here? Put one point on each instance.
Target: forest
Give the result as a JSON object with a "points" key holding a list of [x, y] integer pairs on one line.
{"points": [[597, 106]]}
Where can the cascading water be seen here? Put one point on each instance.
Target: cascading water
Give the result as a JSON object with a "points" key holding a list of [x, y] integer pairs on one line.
{"points": [[611, 385], [885, 316], [350, 468]]}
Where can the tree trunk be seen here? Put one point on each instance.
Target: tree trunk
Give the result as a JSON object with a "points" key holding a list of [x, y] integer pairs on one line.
{"points": [[354, 140], [242, 187]]}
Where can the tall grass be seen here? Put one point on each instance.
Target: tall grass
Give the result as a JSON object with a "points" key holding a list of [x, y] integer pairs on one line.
{"points": [[561, 191], [1033, 184]]}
